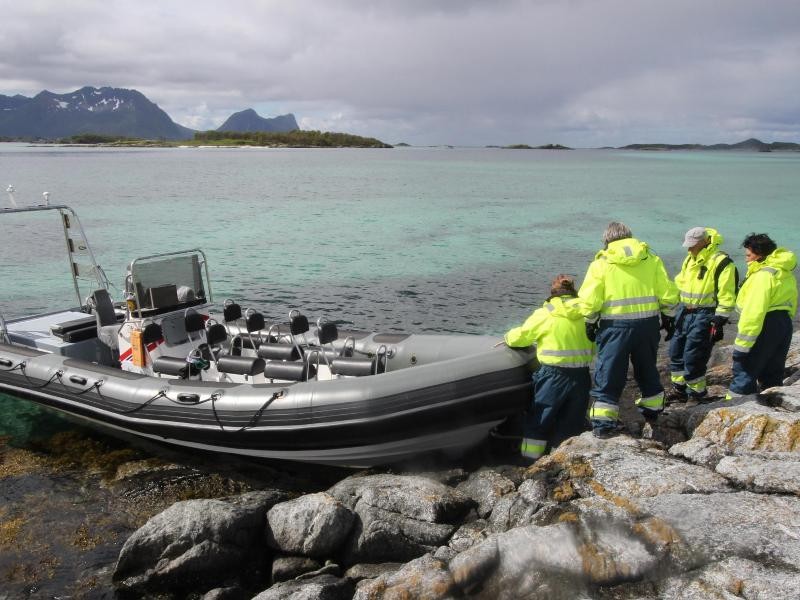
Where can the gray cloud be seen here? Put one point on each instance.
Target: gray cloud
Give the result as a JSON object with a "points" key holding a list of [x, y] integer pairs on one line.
{"points": [[582, 72]]}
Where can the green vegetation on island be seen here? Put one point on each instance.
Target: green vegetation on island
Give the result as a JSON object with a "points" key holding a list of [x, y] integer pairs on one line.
{"points": [[527, 147], [291, 139]]}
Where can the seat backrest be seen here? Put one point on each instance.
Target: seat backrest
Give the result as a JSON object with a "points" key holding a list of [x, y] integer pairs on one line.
{"points": [[194, 321], [216, 334], [327, 333], [298, 323], [152, 333], [231, 312], [104, 308], [255, 322]]}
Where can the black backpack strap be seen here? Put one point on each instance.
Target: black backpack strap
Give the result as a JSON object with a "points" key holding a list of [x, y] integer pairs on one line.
{"points": [[718, 271]]}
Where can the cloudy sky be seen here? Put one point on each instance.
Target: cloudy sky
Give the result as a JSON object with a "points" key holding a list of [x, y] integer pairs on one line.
{"points": [[465, 72]]}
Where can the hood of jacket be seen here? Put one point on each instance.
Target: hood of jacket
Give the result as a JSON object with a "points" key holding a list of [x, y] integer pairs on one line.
{"points": [[566, 307], [781, 258], [713, 246], [629, 251]]}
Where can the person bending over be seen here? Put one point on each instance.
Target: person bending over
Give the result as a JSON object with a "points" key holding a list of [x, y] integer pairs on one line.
{"points": [[561, 384]]}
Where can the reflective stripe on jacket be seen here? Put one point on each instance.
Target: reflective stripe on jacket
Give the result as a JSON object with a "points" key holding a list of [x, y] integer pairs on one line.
{"points": [[627, 281], [696, 282], [559, 333], [770, 285]]}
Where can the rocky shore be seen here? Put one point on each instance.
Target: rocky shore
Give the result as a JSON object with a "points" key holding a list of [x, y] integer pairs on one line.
{"points": [[703, 503]]}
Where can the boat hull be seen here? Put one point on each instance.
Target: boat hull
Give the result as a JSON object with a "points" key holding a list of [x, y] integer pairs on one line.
{"points": [[447, 405]]}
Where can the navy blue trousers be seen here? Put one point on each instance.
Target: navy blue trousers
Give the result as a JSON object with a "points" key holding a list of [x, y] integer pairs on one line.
{"points": [[765, 363], [690, 348], [620, 341], [560, 404]]}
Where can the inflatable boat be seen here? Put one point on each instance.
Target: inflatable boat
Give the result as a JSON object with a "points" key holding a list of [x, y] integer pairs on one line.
{"points": [[161, 363]]}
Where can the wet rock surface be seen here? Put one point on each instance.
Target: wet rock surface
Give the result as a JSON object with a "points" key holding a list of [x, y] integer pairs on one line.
{"points": [[702, 503]]}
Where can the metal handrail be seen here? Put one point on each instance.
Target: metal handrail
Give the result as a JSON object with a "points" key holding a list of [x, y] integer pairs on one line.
{"points": [[97, 271]]}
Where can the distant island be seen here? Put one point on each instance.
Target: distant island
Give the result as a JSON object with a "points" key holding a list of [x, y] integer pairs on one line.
{"points": [[527, 147], [290, 139], [750, 145]]}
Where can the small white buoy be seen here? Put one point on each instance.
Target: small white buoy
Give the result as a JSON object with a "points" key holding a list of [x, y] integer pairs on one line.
{"points": [[10, 189]]}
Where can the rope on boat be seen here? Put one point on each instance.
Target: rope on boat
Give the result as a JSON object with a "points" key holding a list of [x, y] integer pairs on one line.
{"points": [[161, 394], [253, 420]]}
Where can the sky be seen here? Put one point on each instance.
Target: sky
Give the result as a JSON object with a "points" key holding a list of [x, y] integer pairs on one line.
{"points": [[583, 73]]}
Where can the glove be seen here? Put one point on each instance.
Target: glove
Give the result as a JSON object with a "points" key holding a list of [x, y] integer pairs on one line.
{"points": [[715, 330], [668, 325], [591, 330]]}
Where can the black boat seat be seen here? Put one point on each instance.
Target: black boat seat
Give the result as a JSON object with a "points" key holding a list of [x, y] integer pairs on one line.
{"points": [[355, 367], [278, 351], [240, 365], [231, 311], [289, 371], [174, 366]]}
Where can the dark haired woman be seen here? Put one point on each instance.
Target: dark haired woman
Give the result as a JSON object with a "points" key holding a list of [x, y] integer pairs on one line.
{"points": [[767, 303], [561, 385]]}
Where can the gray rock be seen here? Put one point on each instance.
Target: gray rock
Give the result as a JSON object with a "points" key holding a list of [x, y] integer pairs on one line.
{"points": [[195, 541], [752, 426], [733, 578], [289, 567], [371, 571], [384, 536], [226, 593], [415, 497], [779, 474], [513, 510], [312, 525], [486, 487], [555, 561], [713, 527], [323, 587], [426, 577], [468, 535], [624, 467], [700, 451]]}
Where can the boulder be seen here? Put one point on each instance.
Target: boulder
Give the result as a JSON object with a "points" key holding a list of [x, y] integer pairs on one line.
{"points": [[371, 571], [624, 467], [398, 517], [195, 542], [384, 536], [733, 578], [486, 487], [712, 527], [289, 567], [313, 525], [414, 497], [778, 473], [425, 577], [322, 587]]}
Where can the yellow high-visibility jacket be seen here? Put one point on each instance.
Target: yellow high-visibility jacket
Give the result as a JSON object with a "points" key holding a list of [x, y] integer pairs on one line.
{"points": [[770, 285], [558, 331], [696, 280], [627, 281]]}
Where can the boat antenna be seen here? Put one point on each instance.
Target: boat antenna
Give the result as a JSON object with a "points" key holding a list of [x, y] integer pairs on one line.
{"points": [[10, 189], [46, 198]]}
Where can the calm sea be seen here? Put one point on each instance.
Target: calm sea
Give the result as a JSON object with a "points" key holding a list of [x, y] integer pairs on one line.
{"points": [[407, 239]]}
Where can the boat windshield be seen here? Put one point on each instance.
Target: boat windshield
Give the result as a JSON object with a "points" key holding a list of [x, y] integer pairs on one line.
{"points": [[169, 280]]}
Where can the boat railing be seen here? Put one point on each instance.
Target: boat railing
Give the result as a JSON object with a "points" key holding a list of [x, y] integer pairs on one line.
{"points": [[82, 263], [4, 331]]}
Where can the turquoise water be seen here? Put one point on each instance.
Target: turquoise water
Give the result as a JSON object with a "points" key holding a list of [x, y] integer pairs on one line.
{"points": [[405, 239]]}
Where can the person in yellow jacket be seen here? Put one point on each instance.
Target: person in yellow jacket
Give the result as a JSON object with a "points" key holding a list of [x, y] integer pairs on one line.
{"points": [[766, 303], [561, 384], [707, 286], [625, 290]]}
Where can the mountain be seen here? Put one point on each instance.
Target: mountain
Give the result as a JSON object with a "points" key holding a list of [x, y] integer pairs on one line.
{"points": [[751, 145], [106, 111], [249, 121]]}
